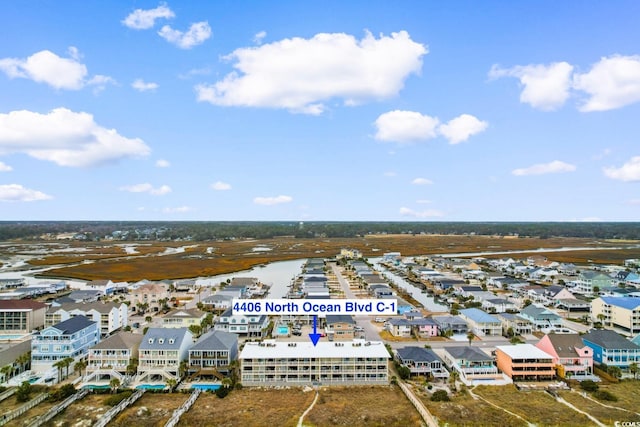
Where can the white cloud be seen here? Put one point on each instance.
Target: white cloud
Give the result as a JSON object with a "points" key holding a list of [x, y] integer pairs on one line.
{"points": [[461, 128], [555, 166], [47, 67], [195, 72], [429, 213], [546, 87], [179, 209], [257, 39], [611, 83], [5, 167], [390, 174], [422, 181], [586, 219], [74, 53], [604, 153], [147, 188], [628, 172], [66, 138], [423, 201], [301, 75], [161, 163], [269, 201], [142, 86], [17, 193], [220, 186], [405, 126], [141, 19], [195, 35]]}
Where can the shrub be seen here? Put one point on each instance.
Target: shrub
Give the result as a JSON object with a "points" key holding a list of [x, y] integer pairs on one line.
{"points": [[440, 396], [589, 385], [117, 398], [605, 395], [404, 372], [222, 392], [62, 393], [23, 393]]}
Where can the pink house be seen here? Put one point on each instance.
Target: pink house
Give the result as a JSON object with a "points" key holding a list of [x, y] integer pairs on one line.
{"points": [[570, 355]]}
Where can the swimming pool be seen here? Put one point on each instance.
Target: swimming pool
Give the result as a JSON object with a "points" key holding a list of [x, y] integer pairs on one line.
{"points": [[283, 330], [151, 386], [11, 337], [206, 386], [96, 387]]}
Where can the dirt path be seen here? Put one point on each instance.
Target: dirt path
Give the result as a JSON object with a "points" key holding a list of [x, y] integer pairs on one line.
{"points": [[304, 414], [592, 418], [586, 396], [475, 396]]}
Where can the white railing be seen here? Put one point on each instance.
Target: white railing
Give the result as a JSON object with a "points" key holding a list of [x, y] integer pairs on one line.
{"points": [[58, 408], [24, 408], [175, 418], [111, 413]]}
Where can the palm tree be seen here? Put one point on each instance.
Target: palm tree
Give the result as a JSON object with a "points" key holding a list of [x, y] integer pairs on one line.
{"points": [[59, 364], [182, 369], [132, 367], [79, 367], [66, 362], [470, 337], [633, 368], [114, 384], [171, 383], [226, 382], [5, 372]]}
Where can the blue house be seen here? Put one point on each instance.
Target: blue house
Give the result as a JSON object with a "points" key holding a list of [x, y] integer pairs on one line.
{"points": [[611, 348], [71, 338]]}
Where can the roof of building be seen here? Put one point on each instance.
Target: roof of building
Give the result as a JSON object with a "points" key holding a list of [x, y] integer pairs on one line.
{"points": [[535, 311], [291, 350], [85, 293], [99, 306], [448, 319], [164, 338], [21, 305], [73, 325], [340, 318], [628, 303], [417, 354], [99, 283], [467, 353], [183, 313], [216, 340], [609, 339], [565, 344], [523, 351], [121, 340], [243, 281], [478, 315]]}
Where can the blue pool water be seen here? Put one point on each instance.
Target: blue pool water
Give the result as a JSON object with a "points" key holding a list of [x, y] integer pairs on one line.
{"points": [[283, 330], [206, 386], [151, 386], [97, 387], [33, 380], [10, 337]]}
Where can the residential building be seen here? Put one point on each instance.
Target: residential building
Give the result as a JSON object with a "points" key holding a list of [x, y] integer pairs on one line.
{"points": [[422, 361], [515, 323], [275, 363], [451, 324], [218, 301], [213, 354], [588, 280], [151, 294], [106, 287], [622, 312], [525, 362], [471, 363], [340, 327], [541, 317], [498, 305], [21, 316], [111, 357], [183, 318], [571, 356], [109, 316], [161, 352], [70, 338], [611, 348], [249, 326], [481, 323]]}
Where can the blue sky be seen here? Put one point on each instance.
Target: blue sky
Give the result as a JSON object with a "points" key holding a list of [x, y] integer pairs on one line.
{"points": [[288, 110]]}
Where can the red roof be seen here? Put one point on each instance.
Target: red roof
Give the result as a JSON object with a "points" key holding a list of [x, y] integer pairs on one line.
{"points": [[21, 304]]}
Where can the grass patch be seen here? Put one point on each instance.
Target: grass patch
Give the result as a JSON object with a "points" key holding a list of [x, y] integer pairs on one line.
{"points": [[152, 409], [537, 407], [605, 415]]}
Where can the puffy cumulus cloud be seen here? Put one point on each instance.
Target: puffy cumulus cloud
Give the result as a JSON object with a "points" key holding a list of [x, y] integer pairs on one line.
{"points": [[545, 87], [141, 19], [461, 128], [5, 167], [405, 126], [429, 213], [422, 181], [555, 166], [628, 172], [142, 86], [161, 163], [179, 209], [270, 201], [17, 193], [611, 83], [48, 68], [220, 186], [66, 138], [301, 75], [195, 35], [147, 188]]}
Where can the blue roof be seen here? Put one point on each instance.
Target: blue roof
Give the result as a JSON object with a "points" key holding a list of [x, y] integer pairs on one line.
{"points": [[629, 303], [478, 315]]}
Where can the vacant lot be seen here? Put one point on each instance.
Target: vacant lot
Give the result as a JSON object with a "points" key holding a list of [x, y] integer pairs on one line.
{"points": [[219, 257], [604, 414], [248, 408], [152, 409], [362, 406], [84, 412]]}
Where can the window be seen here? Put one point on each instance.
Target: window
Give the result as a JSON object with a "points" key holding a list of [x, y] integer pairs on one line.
{"points": [[171, 340], [161, 341]]}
